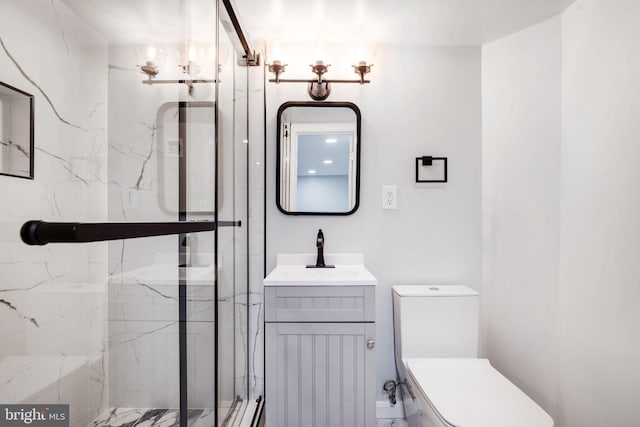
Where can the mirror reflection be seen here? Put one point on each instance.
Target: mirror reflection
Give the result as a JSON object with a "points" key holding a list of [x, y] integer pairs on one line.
{"points": [[186, 147], [318, 158], [16, 132]]}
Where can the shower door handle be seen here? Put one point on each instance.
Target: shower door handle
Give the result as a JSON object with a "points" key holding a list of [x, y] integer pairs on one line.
{"points": [[41, 232]]}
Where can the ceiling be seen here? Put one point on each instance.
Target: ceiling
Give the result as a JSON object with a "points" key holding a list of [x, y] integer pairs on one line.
{"points": [[313, 150], [414, 22], [148, 21], [370, 22]]}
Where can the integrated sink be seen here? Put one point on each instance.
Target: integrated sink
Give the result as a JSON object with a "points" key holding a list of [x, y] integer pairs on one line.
{"points": [[349, 271]]}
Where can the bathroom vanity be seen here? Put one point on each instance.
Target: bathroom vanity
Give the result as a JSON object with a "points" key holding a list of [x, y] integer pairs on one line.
{"points": [[320, 343]]}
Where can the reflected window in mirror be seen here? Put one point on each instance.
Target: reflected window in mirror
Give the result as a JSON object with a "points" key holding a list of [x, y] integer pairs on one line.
{"points": [[318, 159]]}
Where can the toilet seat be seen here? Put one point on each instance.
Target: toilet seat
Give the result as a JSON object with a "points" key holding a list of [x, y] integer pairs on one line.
{"points": [[471, 393]]}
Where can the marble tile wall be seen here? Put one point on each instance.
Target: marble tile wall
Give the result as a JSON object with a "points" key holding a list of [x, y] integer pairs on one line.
{"points": [[96, 325], [142, 320], [256, 221], [53, 298], [144, 149], [232, 242], [239, 141]]}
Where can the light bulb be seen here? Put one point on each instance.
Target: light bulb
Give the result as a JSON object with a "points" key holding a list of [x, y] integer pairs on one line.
{"points": [[192, 53], [151, 53], [361, 54], [277, 54], [319, 54]]}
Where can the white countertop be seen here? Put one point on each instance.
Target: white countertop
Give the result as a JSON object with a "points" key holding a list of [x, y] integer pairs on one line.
{"points": [[292, 271]]}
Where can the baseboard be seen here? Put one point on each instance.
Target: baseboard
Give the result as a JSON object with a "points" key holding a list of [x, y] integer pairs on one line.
{"points": [[385, 410]]}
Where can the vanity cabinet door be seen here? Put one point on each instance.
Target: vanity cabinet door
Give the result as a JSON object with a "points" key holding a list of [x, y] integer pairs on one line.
{"points": [[320, 374]]}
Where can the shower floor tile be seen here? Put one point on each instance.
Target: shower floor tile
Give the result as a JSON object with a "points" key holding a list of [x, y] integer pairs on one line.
{"points": [[136, 417], [391, 423]]}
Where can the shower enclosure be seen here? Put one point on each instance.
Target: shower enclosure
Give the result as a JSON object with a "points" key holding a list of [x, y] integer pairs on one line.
{"points": [[141, 130]]}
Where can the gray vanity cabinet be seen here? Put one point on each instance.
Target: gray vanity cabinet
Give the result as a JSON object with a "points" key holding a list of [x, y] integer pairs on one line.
{"points": [[320, 356]]}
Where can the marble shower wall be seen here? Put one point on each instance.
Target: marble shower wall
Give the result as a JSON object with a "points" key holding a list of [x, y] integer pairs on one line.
{"points": [[232, 241], [257, 156], [53, 298], [144, 150]]}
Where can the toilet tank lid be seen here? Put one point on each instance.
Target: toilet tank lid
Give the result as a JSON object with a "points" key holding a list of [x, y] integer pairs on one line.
{"points": [[433, 290]]}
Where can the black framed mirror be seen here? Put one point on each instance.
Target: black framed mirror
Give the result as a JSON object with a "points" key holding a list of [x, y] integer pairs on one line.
{"points": [[318, 158], [16, 132]]}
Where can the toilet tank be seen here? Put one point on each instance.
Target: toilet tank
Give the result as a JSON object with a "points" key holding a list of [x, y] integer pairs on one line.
{"points": [[435, 321]]}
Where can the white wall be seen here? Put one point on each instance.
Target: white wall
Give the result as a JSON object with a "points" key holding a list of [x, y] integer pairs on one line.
{"points": [[567, 334], [599, 379], [422, 101], [521, 206], [329, 193]]}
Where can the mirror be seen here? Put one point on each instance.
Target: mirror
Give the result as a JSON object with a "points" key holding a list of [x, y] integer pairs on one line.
{"points": [[186, 141], [318, 159], [16, 132]]}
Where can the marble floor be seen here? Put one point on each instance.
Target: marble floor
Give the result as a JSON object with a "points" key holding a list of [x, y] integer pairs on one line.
{"points": [[391, 423], [134, 417], [130, 417]]}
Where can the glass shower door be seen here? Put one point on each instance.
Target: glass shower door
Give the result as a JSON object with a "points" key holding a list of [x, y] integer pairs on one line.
{"points": [[139, 129], [232, 357], [162, 167]]}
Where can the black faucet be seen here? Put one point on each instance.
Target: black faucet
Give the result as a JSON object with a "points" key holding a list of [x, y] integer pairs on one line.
{"points": [[320, 258]]}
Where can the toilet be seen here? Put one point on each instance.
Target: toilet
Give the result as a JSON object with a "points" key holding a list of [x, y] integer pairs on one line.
{"points": [[444, 383]]}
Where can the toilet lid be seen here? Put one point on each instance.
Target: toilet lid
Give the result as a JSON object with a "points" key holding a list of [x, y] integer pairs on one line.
{"points": [[471, 393]]}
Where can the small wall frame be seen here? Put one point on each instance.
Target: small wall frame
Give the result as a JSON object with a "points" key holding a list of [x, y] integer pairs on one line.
{"points": [[16, 132], [427, 161]]}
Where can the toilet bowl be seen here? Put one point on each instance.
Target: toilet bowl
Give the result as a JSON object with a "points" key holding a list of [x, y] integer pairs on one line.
{"points": [[444, 383]]}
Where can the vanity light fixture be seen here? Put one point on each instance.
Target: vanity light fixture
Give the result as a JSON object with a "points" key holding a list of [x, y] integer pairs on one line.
{"points": [[331, 140], [191, 68], [277, 68], [319, 88], [362, 69], [150, 69]]}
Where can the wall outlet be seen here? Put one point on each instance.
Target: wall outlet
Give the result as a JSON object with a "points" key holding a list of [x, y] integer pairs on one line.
{"points": [[389, 197]]}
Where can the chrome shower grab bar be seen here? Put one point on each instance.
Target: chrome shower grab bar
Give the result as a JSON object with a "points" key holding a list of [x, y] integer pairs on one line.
{"points": [[41, 232]]}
